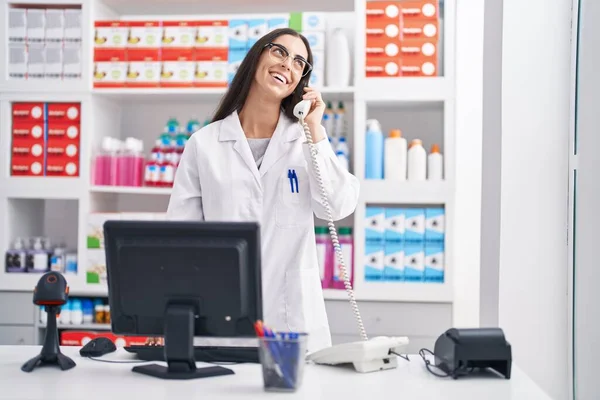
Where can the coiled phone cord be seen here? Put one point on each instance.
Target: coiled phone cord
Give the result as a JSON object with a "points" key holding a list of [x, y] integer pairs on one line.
{"points": [[333, 230]]}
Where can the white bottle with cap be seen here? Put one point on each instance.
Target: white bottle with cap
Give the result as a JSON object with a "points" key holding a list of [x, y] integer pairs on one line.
{"points": [[395, 156], [338, 59], [417, 161], [435, 162]]}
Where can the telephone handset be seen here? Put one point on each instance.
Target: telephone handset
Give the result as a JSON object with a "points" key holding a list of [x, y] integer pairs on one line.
{"points": [[367, 355]]}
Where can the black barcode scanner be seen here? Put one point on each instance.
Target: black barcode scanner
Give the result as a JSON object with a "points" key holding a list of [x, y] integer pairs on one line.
{"points": [[51, 292]]}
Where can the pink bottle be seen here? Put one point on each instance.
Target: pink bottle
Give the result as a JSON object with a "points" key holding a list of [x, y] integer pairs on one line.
{"points": [[138, 161], [346, 243], [123, 169], [324, 255], [102, 163], [131, 163]]}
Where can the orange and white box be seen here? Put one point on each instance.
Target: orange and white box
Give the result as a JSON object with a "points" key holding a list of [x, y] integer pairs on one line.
{"points": [[419, 29], [144, 34], [422, 9], [110, 68], [178, 34], [383, 67], [27, 166], [210, 71], [64, 112], [383, 39], [386, 11], [143, 68], [28, 111], [62, 166], [419, 66], [111, 34], [177, 69], [31, 130], [211, 34], [419, 50]]}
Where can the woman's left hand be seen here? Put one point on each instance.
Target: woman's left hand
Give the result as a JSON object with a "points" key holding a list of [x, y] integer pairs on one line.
{"points": [[315, 114]]}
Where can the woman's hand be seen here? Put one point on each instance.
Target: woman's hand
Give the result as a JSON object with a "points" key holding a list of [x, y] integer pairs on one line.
{"points": [[315, 114]]}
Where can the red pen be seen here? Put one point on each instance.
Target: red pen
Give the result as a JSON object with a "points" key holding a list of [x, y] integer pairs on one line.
{"points": [[258, 327]]}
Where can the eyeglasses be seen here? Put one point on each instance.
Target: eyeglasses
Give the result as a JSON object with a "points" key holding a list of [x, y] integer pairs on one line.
{"points": [[280, 54]]}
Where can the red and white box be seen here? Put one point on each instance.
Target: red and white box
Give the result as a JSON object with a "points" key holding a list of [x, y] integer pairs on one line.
{"points": [[422, 9], [28, 130], [28, 111], [110, 68], [178, 34], [212, 34], [111, 34], [62, 142], [26, 166], [62, 166], [64, 112], [64, 130], [144, 34], [419, 29], [383, 67], [27, 149], [177, 69], [210, 71], [143, 69]]}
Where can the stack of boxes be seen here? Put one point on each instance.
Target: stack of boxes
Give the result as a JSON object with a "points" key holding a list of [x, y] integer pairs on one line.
{"points": [[402, 38], [45, 139], [404, 244], [160, 53], [44, 43], [312, 26]]}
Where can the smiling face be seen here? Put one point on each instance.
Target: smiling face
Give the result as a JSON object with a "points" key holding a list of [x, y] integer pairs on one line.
{"points": [[277, 73]]}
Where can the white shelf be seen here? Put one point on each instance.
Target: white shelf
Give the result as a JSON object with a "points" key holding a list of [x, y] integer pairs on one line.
{"points": [[46, 86], [418, 292], [43, 187], [404, 90], [131, 190], [81, 327], [153, 95], [404, 192]]}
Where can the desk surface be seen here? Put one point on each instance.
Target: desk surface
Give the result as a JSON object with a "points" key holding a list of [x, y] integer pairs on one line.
{"points": [[93, 380]]}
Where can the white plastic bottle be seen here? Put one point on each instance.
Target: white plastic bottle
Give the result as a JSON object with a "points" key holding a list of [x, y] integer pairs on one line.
{"points": [[417, 161], [435, 162], [395, 149], [338, 60], [343, 159]]}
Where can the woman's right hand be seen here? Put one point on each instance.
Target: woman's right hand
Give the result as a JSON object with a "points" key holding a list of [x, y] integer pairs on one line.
{"points": [[155, 341]]}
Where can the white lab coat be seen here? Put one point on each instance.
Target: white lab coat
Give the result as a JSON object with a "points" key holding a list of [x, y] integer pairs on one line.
{"points": [[218, 180]]}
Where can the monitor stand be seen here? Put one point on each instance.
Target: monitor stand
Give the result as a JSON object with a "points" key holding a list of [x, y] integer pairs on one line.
{"points": [[179, 349]]}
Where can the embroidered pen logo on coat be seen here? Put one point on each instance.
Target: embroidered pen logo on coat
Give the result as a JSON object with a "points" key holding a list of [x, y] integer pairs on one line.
{"points": [[293, 181]]}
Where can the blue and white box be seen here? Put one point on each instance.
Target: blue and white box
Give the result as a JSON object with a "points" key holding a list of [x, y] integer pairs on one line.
{"points": [[374, 225], [234, 61], [313, 21], [238, 34], [393, 262], [374, 262], [278, 23], [434, 225], [318, 60], [434, 263], [414, 263], [395, 225], [316, 40], [257, 28], [415, 225], [317, 78]]}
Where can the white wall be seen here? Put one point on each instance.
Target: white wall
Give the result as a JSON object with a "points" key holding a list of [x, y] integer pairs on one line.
{"points": [[535, 133]]}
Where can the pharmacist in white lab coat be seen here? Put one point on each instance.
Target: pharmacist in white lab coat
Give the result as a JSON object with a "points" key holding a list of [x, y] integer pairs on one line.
{"points": [[252, 163]]}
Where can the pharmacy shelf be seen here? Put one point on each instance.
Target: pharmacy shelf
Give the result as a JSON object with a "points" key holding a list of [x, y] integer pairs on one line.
{"points": [[404, 90], [131, 190], [42, 187], [417, 292], [81, 327], [153, 95], [47, 86], [404, 192]]}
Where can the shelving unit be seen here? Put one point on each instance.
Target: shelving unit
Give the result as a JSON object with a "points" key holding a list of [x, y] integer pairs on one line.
{"points": [[105, 111]]}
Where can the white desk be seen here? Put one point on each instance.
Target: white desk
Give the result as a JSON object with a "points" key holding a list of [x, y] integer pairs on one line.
{"points": [[91, 380]]}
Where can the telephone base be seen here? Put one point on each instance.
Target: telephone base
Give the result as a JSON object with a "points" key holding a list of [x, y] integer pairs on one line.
{"points": [[366, 356]]}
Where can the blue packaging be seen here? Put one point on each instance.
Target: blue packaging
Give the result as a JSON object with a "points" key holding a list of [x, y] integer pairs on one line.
{"points": [[394, 262], [278, 23], [394, 225], [374, 262], [374, 150], [434, 225], [374, 225], [87, 307], [415, 225], [434, 263], [238, 34], [414, 263], [235, 59], [257, 28]]}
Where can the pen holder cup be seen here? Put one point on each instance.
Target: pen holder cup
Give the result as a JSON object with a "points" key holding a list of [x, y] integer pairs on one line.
{"points": [[282, 361]]}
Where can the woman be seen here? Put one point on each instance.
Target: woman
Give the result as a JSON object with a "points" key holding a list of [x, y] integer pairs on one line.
{"points": [[252, 163]]}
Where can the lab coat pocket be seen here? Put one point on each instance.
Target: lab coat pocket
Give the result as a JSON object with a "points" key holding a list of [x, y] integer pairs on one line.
{"points": [[293, 205], [304, 304]]}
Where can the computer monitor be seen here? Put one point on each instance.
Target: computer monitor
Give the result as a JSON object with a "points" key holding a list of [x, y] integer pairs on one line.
{"points": [[183, 279]]}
